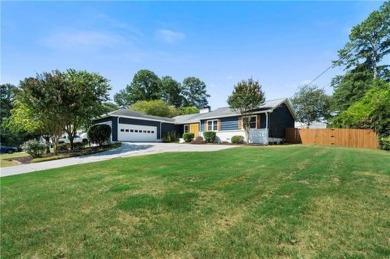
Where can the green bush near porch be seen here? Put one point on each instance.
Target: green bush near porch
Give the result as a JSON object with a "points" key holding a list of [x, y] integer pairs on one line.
{"points": [[209, 136], [188, 136]]}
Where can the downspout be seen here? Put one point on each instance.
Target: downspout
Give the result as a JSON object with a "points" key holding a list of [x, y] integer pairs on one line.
{"points": [[160, 130], [117, 130]]}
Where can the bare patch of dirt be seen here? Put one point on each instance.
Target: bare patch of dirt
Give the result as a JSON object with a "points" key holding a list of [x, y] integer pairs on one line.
{"points": [[21, 160]]}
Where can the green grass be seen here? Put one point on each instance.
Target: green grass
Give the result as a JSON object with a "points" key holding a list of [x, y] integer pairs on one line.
{"points": [[280, 201], [5, 163]]}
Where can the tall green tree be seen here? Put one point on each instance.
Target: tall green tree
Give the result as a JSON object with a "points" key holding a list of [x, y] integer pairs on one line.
{"points": [[83, 99], [188, 110], [369, 42], [194, 91], [362, 58], [7, 136], [7, 95], [122, 98], [311, 104], [350, 87], [156, 108], [371, 111], [110, 107], [247, 95], [57, 102], [42, 100], [145, 86], [171, 91]]}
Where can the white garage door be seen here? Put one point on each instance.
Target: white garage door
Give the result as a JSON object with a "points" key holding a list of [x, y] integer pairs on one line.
{"points": [[130, 132]]}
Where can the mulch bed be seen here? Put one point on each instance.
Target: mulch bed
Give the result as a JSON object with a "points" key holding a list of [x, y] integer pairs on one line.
{"points": [[66, 154], [21, 160]]}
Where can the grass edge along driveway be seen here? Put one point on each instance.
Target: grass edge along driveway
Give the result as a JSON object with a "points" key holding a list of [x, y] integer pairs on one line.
{"points": [[280, 201]]}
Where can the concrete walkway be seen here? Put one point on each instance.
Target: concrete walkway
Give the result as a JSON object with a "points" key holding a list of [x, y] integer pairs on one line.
{"points": [[126, 150]]}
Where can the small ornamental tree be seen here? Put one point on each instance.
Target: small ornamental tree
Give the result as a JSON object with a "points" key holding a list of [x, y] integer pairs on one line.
{"points": [[311, 104], [246, 96], [99, 133]]}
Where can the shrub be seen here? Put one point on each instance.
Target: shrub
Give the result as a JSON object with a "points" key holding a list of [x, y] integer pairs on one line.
{"points": [[63, 147], [237, 139], [197, 140], [99, 133], [188, 137], [209, 136], [78, 146], [384, 143], [170, 136], [34, 148], [85, 142]]}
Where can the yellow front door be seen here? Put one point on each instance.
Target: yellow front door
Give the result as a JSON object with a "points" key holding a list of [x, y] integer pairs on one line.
{"points": [[194, 128]]}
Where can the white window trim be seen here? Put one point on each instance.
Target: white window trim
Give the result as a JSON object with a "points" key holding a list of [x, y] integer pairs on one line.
{"points": [[251, 116], [213, 123]]}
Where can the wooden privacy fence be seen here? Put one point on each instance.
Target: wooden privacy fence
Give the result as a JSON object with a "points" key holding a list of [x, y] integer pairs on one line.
{"points": [[358, 138]]}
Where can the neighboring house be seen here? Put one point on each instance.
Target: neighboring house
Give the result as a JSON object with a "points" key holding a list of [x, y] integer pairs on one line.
{"points": [[268, 123], [314, 125]]}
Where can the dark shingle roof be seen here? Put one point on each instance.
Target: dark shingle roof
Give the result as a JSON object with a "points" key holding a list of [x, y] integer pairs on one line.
{"points": [[225, 112], [192, 118], [134, 114]]}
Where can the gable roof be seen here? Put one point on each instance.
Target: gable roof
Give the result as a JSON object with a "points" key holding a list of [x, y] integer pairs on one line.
{"points": [[136, 115], [267, 106]]}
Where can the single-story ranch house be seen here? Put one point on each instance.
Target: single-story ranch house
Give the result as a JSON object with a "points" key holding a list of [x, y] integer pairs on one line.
{"points": [[268, 123]]}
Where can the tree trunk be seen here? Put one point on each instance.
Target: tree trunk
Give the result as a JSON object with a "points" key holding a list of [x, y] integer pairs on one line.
{"points": [[71, 139], [47, 139], [55, 146]]}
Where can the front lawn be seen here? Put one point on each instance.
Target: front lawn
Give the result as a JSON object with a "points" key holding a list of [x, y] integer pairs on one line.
{"points": [[279, 201]]}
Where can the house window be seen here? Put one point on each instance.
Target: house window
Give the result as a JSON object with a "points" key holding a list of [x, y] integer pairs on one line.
{"points": [[136, 131], [212, 125], [122, 130], [186, 128], [127, 130], [251, 120], [131, 130]]}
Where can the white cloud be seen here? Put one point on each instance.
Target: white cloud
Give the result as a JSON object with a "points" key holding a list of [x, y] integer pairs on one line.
{"points": [[74, 39], [115, 24], [169, 36]]}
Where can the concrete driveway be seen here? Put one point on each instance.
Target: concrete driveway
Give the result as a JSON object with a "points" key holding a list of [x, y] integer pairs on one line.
{"points": [[126, 150]]}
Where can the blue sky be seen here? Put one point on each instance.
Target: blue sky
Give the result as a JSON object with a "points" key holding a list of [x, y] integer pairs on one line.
{"points": [[281, 44]]}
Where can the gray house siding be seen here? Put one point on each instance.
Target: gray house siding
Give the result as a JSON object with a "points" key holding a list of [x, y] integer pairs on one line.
{"points": [[114, 126], [229, 123], [263, 121], [203, 126], [280, 119], [142, 122], [166, 127]]}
